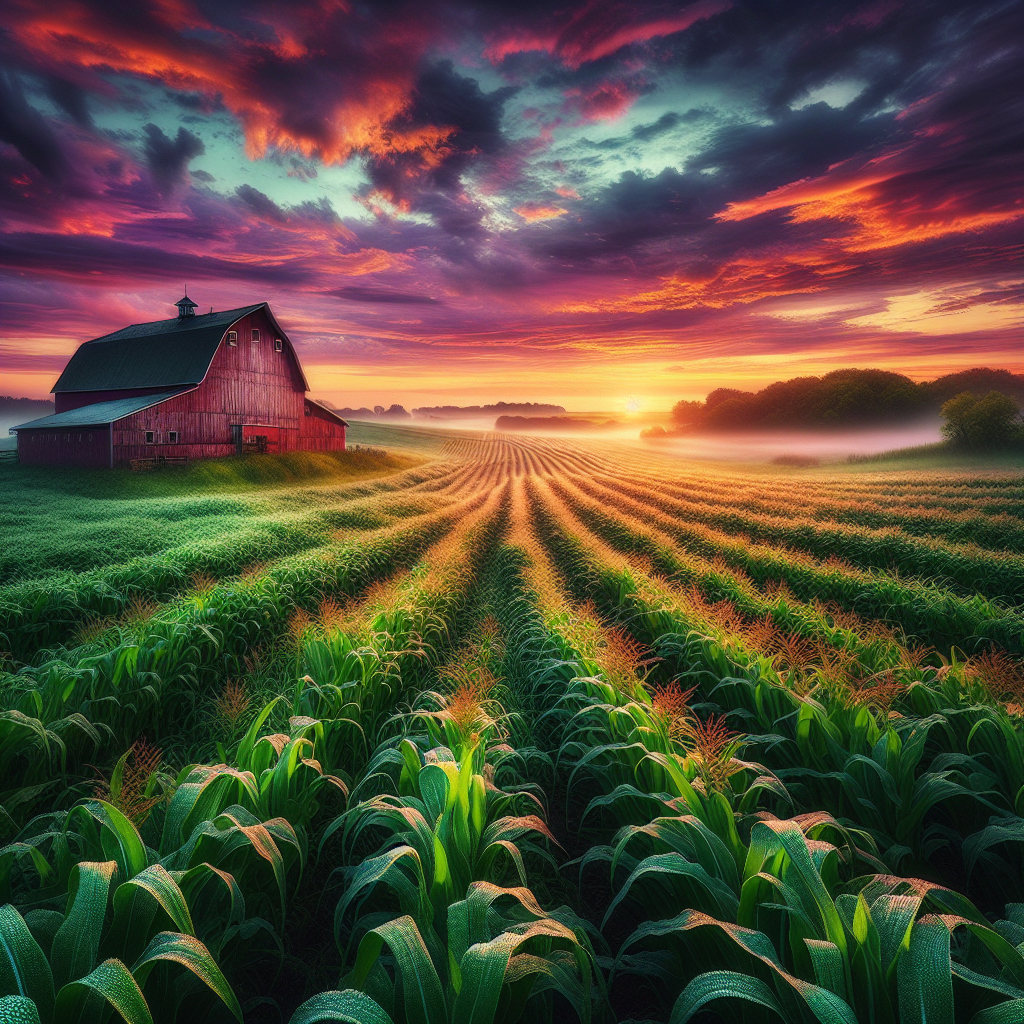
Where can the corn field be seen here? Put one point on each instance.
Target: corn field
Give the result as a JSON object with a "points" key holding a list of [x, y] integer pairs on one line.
{"points": [[528, 730]]}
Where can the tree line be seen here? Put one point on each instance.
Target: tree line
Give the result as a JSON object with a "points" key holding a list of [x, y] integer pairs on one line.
{"points": [[980, 406]]}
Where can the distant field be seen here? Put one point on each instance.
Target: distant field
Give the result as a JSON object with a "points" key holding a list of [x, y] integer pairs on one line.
{"points": [[618, 735]]}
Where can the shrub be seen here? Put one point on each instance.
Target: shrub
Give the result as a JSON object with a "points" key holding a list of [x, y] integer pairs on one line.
{"points": [[982, 423]]}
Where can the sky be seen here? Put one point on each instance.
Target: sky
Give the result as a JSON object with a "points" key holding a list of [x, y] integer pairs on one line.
{"points": [[609, 205]]}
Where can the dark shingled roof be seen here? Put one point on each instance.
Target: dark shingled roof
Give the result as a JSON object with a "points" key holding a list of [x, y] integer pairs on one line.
{"points": [[163, 354]]}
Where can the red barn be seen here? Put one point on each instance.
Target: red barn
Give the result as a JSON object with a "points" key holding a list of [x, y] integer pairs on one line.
{"points": [[195, 387]]}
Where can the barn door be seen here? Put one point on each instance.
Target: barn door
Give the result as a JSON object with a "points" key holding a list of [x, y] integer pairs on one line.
{"points": [[256, 438]]}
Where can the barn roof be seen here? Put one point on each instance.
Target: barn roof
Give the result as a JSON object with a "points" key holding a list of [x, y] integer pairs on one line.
{"points": [[165, 353], [327, 409], [99, 413]]}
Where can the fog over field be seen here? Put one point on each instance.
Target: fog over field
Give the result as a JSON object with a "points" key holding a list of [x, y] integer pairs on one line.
{"points": [[814, 444], [762, 445]]}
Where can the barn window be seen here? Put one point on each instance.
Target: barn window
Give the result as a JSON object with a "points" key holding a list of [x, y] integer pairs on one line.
{"points": [[150, 437], [278, 345], [172, 437], [232, 338], [255, 335]]}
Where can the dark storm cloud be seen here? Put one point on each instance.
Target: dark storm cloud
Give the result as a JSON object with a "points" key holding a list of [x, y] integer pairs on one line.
{"points": [[665, 123], [27, 130], [311, 211], [653, 129], [471, 120], [99, 257], [260, 203], [168, 158], [70, 98], [899, 51], [755, 158], [195, 102]]}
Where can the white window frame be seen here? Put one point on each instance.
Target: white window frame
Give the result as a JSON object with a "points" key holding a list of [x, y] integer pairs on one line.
{"points": [[255, 335], [172, 437], [278, 345], [151, 437], [233, 339]]}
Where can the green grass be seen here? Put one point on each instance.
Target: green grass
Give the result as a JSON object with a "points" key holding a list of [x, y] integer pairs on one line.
{"points": [[230, 475], [939, 456]]}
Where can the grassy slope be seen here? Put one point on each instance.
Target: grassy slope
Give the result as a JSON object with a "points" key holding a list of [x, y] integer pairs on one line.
{"points": [[78, 519], [939, 457], [245, 473]]}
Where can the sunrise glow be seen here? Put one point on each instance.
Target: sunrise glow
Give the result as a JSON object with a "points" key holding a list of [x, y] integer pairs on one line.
{"points": [[472, 203]]}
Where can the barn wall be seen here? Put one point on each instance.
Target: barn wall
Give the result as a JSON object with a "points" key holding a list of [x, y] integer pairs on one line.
{"points": [[320, 432], [87, 447]]}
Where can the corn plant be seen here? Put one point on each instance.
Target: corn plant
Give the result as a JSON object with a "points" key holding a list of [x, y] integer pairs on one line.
{"points": [[449, 826], [505, 960], [807, 952], [71, 962]]}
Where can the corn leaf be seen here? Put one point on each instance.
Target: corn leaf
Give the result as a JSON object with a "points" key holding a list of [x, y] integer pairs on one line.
{"points": [[135, 907], [421, 989], [120, 839], [1011, 1012], [23, 967], [348, 1007], [482, 972], [925, 975], [78, 1001], [76, 945], [188, 951], [18, 1010], [723, 985]]}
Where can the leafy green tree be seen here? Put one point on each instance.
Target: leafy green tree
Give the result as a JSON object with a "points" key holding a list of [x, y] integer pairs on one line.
{"points": [[686, 412], [982, 423]]}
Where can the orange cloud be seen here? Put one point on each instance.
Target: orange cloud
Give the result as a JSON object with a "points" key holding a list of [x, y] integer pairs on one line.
{"points": [[742, 281], [351, 112], [871, 198], [597, 31], [537, 211], [370, 261]]}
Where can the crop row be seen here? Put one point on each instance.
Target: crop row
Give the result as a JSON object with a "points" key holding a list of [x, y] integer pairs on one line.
{"points": [[691, 858], [35, 614], [930, 613], [965, 567], [117, 686]]}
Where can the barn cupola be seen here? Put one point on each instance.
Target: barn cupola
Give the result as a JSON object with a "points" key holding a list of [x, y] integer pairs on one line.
{"points": [[186, 307]]}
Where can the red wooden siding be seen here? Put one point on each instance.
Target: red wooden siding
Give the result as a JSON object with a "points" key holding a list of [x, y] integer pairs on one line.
{"points": [[88, 447], [249, 385], [319, 431]]}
